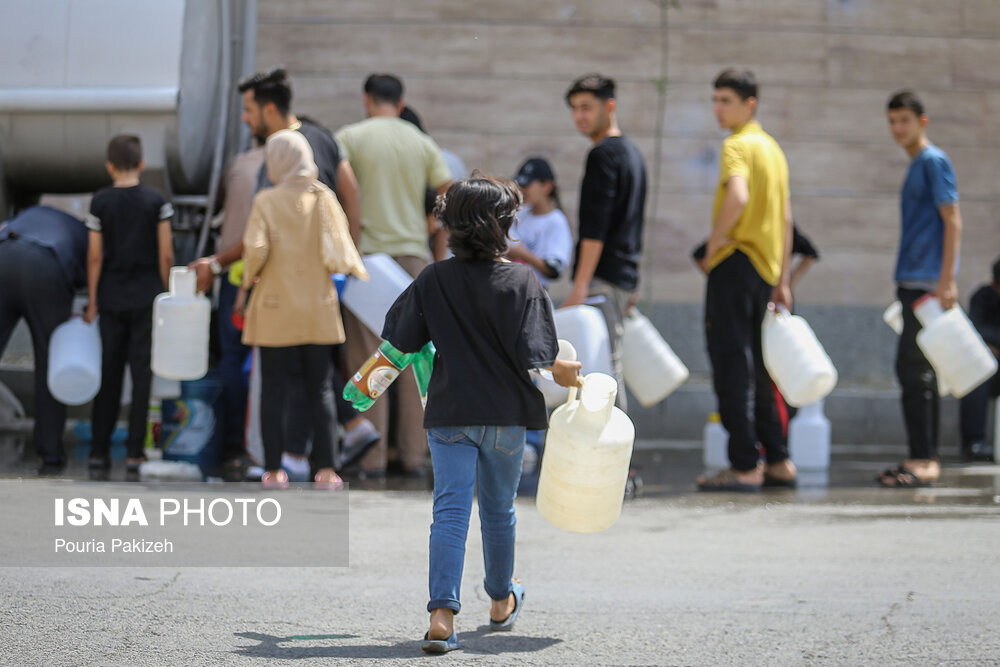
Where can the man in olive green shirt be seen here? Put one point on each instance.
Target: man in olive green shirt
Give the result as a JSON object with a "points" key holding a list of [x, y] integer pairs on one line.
{"points": [[394, 163]]}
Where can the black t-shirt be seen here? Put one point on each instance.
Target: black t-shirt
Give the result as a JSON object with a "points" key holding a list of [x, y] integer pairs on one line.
{"points": [[490, 323], [128, 220], [612, 207], [326, 155]]}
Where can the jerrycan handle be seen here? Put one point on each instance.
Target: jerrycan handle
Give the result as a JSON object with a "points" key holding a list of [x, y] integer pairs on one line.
{"points": [[595, 380]]}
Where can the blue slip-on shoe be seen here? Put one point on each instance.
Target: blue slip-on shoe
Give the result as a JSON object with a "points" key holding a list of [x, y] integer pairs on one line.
{"points": [[517, 588], [440, 645]]}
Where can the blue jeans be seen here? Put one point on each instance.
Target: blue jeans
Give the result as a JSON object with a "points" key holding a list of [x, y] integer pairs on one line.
{"points": [[463, 455]]}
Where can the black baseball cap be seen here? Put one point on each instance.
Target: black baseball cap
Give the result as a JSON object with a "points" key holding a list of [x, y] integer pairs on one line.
{"points": [[534, 169]]}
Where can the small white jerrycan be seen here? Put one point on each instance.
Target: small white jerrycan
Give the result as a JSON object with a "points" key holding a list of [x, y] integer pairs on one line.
{"points": [[584, 327], [953, 346], [794, 358], [371, 299], [809, 438], [74, 375], [180, 329], [715, 446], [893, 316], [587, 452], [652, 370]]}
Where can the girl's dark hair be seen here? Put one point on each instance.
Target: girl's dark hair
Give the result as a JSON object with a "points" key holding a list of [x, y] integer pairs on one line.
{"points": [[478, 212]]}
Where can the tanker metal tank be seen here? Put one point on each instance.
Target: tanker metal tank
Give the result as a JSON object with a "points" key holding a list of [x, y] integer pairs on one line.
{"points": [[78, 72]]}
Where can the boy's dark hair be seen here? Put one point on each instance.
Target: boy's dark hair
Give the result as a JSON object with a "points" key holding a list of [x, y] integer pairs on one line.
{"points": [[478, 212], [996, 271], [271, 86], [411, 116], [384, 88], [906, 99], [743, 83], [125, 152], [601, 87]]}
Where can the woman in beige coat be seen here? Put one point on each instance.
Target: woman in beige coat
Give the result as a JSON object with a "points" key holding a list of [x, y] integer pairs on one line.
{"points": [[296, 236]]}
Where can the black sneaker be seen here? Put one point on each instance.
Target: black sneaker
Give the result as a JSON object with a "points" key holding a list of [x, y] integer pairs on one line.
{"points": [[978, 452], [98, 469], [51, 469]]}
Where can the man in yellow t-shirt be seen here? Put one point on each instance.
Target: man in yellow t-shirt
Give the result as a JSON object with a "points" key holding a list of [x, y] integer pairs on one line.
{"points": [[747, 257], [394, 163]]}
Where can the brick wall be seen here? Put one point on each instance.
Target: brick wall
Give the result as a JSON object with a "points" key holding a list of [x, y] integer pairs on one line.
{"points": [[488, 78]]}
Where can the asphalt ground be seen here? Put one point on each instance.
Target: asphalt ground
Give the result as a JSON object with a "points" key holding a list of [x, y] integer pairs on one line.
{"points": [[835, 572]]}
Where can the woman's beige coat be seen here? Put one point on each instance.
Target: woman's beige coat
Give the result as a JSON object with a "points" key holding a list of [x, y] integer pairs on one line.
{"points": [[296, 236]]}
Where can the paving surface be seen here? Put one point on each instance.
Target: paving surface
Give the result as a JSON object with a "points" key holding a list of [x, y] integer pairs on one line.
{"points": [[841, 573]]}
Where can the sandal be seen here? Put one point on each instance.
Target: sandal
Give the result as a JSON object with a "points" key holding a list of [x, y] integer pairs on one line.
{"points": [[132, 467], [440, 645], [98, 469], [274, 480], [773, 482], [517, 589], [901, 478], [726, 481]]}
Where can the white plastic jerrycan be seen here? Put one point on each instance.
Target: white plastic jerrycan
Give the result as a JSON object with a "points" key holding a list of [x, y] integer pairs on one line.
{"points": [[370, 300], [584, 327], [180, 329], [587, 452], [74, 375], [893, 316], [953, 346], [809, 438], [715, 447], [652, 370], [794, 358]]}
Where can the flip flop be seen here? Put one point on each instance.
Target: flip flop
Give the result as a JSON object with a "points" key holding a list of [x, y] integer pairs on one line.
{"points": [[440, 645], [901, 479], [726, 481], [517, 588], [776, 483]]}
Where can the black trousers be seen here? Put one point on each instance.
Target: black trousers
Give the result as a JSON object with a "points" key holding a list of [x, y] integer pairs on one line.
{"points": [[735, 303], [126, 337], [34, 286], [921, 401], [298, 374], [973, 407]]}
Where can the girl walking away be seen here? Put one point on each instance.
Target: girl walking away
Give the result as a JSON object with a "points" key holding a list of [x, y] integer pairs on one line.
{"points": [[541, 234], [491, 322]]}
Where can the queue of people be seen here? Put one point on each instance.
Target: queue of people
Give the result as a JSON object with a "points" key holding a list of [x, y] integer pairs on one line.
{"points": [[391, 165]]}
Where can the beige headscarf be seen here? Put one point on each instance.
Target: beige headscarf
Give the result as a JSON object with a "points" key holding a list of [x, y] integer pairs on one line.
{"points": [[289, 159]]}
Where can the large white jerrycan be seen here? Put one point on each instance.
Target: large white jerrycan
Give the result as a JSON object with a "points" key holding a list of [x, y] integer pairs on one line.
{"points": [[652, 370], [953, 346], [809, 438], [584, 327], [74, 375], [794, 358], [180, 329], [585, 465], [370, 300]]}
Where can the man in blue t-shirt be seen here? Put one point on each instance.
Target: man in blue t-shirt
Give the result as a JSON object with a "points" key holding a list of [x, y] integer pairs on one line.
{"points": [[926, 264]]}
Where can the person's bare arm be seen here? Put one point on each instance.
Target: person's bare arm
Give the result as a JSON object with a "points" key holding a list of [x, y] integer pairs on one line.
{"points": [[566, 373], [350, 199], [947, 291], [95, 258], [166, 243], [522, 254], [800, 271], [782, 293], [586, 265], [735, 200]]}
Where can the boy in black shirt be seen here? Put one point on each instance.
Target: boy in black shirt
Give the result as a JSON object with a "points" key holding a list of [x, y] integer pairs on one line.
{"points": [[128, 260], [612, 207], [490, 321]]}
